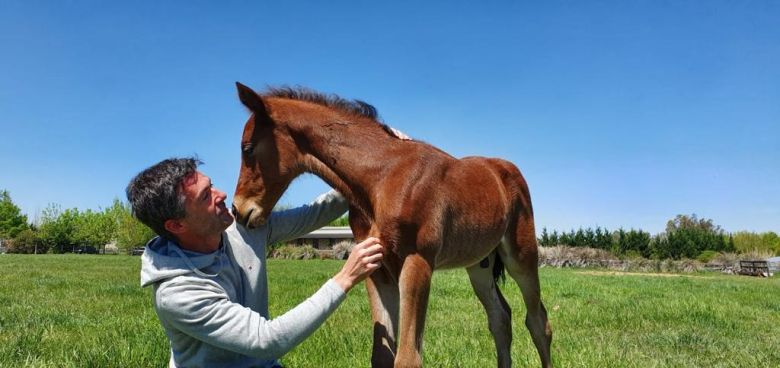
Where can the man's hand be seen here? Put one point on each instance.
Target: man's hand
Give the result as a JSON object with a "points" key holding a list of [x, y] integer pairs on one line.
{"points": [[364, 259], [399, 134]]}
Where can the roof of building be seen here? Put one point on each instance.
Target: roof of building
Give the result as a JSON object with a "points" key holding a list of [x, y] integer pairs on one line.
{"points": [[330, 232]]}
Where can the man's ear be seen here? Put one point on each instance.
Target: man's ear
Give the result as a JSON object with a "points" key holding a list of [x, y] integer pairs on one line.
{"points": [[175, 227]]}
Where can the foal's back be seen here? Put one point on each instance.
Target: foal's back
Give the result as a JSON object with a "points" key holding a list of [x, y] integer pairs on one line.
{"points": [[459, 207]]}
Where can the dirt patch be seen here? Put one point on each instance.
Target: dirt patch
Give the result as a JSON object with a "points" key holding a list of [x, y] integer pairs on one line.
{"points": [[616, 273]]}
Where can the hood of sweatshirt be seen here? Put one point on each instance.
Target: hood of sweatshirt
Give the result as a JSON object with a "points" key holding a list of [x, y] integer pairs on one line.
{"points": [[163, 259]]}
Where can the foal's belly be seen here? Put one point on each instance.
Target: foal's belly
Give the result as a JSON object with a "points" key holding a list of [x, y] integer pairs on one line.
{"points": [[466, 248]]}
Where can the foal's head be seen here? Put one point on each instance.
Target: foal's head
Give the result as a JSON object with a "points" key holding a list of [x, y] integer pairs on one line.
{"points": [[279, 141], [270, 160]]}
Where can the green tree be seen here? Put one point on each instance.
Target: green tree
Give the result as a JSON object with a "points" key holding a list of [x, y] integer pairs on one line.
{"points": [[12, 221], [129, 232], [544, 239], [579, 239], [772, 240], [566, 238], [27, 241], [688, 236], [633, 243], [94, 228], [341, 221], [58, 228], [555, 239], [603, 239], [747, 241]]}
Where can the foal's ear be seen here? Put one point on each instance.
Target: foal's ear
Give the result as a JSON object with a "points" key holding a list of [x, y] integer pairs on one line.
{"points": [[250, 99]]}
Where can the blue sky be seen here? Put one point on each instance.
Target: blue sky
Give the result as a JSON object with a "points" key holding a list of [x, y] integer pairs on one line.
{"points": [[619, 113]]}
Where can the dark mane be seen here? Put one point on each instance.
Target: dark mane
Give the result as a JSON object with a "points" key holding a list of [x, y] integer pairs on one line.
{"points": [[356, 107]]}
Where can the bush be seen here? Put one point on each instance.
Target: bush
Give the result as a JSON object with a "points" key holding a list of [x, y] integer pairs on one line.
{"points": [[707, 256], [27, 242], [632, 254], [271, 249], [341, 249], [561, 256], [341, 221], [293, 252]]}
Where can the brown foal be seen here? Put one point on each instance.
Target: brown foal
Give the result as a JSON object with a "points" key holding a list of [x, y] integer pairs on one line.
{"points": [[430, 210]]}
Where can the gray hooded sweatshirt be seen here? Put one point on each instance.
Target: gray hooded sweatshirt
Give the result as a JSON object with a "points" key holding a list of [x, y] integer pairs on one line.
{"points": [[214, 306]]}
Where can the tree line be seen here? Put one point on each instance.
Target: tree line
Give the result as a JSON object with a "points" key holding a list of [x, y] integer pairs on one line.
{"points": [[686, 236], [70, 230]]}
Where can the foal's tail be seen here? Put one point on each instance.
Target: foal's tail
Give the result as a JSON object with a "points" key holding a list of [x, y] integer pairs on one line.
{"points": [[499, 273]]}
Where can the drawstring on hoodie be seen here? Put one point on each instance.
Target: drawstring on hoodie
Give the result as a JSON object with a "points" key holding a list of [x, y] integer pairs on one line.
{"points": [[195, 269]]}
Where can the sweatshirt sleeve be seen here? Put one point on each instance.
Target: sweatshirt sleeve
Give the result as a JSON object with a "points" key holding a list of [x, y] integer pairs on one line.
{"points": [[290, 224], [204, 312]]}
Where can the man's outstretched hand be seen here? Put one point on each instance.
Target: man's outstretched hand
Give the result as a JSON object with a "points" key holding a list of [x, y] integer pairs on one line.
{"points": [[364, 259]]}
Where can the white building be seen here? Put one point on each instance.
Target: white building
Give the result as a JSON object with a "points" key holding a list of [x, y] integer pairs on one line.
{"points": [[326, 237]]}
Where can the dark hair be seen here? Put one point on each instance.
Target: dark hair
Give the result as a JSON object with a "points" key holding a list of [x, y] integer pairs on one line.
{"points": [[154, 193]]}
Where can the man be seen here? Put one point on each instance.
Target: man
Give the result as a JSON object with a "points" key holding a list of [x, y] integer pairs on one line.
{"points": [[209, 274]]}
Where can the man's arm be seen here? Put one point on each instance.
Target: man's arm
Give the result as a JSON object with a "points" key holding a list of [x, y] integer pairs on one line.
{"points": [[201, 308], [203, 311], [290, 224]]}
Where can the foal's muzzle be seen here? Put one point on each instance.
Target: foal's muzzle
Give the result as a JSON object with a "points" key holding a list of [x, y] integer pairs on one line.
{"points": [[248, 213]]}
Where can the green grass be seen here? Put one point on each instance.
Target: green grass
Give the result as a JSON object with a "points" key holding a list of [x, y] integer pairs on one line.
{"points": [[89, 311]]}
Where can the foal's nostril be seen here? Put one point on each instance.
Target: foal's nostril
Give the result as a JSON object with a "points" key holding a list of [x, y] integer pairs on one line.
{"points": [[234, 210]]}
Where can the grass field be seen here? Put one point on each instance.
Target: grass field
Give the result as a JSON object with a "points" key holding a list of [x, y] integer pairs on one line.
{"points": [[89, 311]]}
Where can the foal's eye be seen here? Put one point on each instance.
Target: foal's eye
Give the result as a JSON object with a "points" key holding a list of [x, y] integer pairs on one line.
{"points": [[246, 148]]}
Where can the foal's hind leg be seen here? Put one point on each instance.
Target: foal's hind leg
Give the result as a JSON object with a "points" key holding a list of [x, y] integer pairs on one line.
{"points": [[521, 260], [498, 312]]}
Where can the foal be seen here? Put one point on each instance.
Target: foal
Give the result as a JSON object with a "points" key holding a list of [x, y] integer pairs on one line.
{"points": [[429, 209]]}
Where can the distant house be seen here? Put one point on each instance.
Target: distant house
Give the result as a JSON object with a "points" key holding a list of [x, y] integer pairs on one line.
{"points": [[326, 237]]}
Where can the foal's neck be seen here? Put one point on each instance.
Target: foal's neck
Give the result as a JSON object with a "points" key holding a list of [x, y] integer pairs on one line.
{"points": [[349, 155]]}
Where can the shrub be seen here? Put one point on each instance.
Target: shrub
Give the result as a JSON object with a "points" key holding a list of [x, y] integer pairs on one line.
{"points": [[341, 249], [632, 254], [341, 221], [707, 256], [293, 252], [27, 242], [271, 249], [726, 259], [562, 255]]}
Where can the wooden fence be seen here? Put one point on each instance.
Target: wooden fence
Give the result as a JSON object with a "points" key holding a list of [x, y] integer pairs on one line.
{"points": [[754, 268]]}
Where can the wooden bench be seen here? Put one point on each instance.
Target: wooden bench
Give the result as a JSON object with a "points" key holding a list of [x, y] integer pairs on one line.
{"points": [[754, 268]]}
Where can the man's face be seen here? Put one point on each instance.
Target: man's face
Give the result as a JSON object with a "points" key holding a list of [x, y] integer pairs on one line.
{"points": [[206, 213]]}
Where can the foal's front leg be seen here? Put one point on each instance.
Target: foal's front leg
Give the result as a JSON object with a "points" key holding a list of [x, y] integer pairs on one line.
{"points": [[414, 286], [382, 288]]}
